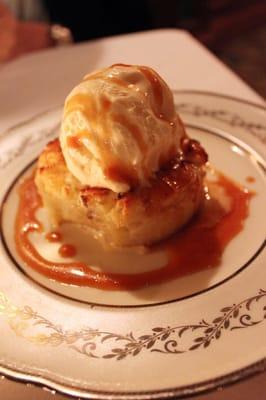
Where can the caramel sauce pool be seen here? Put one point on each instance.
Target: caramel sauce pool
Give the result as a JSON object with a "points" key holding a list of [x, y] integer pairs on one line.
{"points": [[198, 246]]}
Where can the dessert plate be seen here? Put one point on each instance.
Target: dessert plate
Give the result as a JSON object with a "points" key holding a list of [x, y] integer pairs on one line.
{"points": [[191, 335]]}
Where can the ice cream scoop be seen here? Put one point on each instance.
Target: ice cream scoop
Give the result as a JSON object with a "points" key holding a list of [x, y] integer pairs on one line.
{"points": [[119, 127]]}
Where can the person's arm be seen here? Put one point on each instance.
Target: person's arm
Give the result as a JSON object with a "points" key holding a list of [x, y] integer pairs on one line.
{"points": [[17, 37], [7, 32]]}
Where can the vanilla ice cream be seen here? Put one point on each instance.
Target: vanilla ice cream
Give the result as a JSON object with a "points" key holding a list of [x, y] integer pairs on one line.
{"points": [[119, 127]]}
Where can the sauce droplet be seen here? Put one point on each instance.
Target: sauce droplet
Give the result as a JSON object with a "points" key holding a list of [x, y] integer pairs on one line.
{"points": [[250, 179], [53, 236], [67, 250]]}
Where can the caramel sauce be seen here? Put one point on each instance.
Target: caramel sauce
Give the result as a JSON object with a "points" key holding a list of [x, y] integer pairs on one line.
{"points": [[98, 116], [122, 173], [193, 151], [113, 169], [84, 103], [74, 142], [95, 75], [198, 246], [67, 250], [105, 103], [53, 237], [155, 84], [156, 87], [118, 81], [120, 65], [250, 179], [170, 155]]}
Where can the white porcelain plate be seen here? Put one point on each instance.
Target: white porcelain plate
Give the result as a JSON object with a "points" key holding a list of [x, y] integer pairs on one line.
{"points": [[184, 337]]}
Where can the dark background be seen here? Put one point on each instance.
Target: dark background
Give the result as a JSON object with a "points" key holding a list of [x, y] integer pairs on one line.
{"points": [[235, 30]]}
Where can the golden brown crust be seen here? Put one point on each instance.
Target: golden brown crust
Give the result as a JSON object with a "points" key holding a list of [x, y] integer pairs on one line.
{"points": [[142, 216]]}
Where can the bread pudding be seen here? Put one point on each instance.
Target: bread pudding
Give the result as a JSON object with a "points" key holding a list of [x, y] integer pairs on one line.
{"points": [[123, 168]]}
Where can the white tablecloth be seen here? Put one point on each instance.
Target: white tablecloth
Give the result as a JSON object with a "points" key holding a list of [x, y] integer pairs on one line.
{"points": [[37, 82]]}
